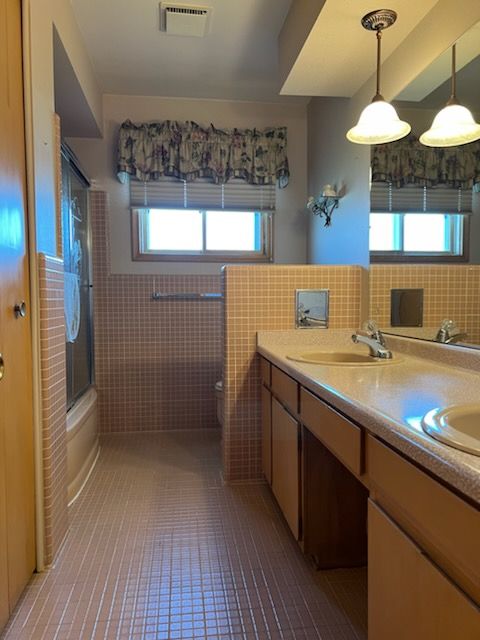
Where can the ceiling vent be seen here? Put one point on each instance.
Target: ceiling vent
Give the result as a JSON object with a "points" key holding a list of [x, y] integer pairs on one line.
{"points": [[184, 19]]}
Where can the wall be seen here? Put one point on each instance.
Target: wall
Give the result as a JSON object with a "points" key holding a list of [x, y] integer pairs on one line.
{"points": [[54, 443], [40, 18], [450, 291], [98, 158], [332, 159], [156, 363], [259, 298]]}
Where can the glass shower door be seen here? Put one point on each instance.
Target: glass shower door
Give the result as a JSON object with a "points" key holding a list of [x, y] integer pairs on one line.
{"points": [[78, 298]]}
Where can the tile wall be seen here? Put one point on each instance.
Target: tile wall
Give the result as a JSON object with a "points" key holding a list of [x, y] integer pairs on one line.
{"points": [[450, 291], [53, 375], [156, 363], [259, 298]]}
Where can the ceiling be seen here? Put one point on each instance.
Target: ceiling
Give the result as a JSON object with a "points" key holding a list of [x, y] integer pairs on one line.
{"points": [[329, 53], [431, 89], [339, 55], [237, 60], [468, 90]]}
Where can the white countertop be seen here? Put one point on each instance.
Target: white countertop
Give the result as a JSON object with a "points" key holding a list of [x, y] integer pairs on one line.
{"points": [[388, 400]]}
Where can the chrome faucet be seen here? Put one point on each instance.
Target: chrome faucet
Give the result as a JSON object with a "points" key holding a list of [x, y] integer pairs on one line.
{"points": [[374, 341], [448, 333], [306, 320]]}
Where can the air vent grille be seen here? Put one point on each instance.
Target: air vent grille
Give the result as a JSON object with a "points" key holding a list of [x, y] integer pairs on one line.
{"points": [[184, 20], [188, 11]]}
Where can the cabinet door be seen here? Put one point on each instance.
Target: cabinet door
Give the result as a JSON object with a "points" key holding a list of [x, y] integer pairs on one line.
{"points": [[285, 464], [408, 597], [267, 434]]}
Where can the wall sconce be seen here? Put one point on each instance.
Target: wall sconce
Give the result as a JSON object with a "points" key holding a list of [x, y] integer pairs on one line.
{"points": [[325, 205]]}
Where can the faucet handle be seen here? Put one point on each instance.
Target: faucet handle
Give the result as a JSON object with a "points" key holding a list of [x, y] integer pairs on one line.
{"points": [[447, 324], [373, 330]]}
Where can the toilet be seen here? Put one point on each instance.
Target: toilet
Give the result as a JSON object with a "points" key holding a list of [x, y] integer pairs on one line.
{"points": [[219, 401]]}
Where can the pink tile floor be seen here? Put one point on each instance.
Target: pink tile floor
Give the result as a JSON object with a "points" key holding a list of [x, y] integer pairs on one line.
{"points": [[160, 548]]}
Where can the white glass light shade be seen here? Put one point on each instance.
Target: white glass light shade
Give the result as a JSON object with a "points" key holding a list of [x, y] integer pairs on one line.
{"points": [[378, 123], [453, 125]]}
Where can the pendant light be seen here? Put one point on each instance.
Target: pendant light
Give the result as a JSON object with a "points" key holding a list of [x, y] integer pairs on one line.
{"points": [[378, 122], [454, 124]]}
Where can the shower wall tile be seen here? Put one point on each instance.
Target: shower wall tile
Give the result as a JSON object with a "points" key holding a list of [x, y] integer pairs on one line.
{"points": [[450, 291], [262, 298], [156, 363], [53, 385]]}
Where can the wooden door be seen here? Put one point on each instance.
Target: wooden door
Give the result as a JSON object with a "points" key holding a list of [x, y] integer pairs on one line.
{"points": [[286, 465], [16, 426], [408, 597]]}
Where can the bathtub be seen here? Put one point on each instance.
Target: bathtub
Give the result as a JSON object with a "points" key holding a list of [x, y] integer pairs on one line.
{"points": [[82, 442]]}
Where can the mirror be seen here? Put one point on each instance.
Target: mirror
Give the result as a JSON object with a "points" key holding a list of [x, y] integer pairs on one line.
{"points": [[437, 300], [311, 308]]}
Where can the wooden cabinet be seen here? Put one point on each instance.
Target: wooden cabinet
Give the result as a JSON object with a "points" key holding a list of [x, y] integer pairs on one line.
{"points": [[322, 501], [285, 388], [265, 372], [408, 596], [423, 539], [342, 437], [267, 434], [443, 524], [285, 465]]}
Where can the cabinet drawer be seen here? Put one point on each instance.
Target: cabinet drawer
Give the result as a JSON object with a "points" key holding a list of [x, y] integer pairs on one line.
{"points": [[265, 372], [408, 597], [285, 388], [343, 438], [447, 527]]}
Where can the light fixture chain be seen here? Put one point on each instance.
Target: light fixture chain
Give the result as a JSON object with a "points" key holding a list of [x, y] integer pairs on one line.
{"points": [[454, 77], [379, 57]]}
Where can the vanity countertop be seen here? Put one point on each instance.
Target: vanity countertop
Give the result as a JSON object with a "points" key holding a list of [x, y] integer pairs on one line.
{"points": [[388, 400]]}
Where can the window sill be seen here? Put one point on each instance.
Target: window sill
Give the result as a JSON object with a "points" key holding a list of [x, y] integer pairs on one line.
{"points": [[146, 257], [405, 258]]}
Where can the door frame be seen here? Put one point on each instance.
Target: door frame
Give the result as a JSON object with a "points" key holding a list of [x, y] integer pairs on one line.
{"points": [[34, 288]]}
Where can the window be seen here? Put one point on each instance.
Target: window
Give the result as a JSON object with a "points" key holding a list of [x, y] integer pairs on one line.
{"points": [[419, 224], [202, 221], [418, 237], [199, 234]]}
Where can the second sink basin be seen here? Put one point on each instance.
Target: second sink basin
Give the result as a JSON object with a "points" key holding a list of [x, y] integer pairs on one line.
{"points": [[344, 358], [457, 426]]}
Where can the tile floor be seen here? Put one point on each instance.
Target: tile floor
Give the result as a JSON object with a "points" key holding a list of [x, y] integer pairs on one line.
{"points": [[159, 548]]}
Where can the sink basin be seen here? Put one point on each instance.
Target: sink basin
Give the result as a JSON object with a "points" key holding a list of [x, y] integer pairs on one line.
{"points": [[344, 358], [457, 426]]}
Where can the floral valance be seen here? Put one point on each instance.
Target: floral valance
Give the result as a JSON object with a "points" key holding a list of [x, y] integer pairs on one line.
{"points": [[187, 151], [407, 162]]}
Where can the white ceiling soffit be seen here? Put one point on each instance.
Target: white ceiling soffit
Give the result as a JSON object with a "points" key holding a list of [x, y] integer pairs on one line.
{"points": [[76, 117], [339, 55], [236, 60], [468, 48]]}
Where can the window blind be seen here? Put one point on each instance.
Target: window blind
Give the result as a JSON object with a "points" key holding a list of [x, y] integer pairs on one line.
{"points": [[235, 195], [387, 199]]}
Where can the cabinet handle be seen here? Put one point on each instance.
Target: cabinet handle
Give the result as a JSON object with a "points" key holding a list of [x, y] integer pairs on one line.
{"points": [[20, 309], [2, 366]]}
